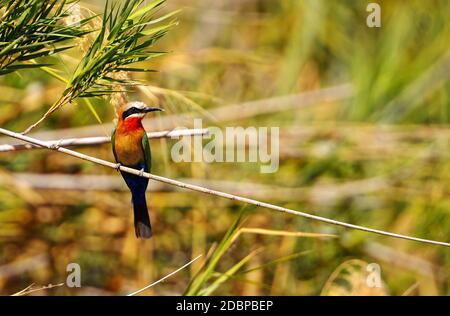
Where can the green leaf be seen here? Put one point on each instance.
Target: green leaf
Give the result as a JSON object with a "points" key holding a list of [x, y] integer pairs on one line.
{"points": [[227, 275], [202, 277], [149, 7], [26, 66], [30, 29]]}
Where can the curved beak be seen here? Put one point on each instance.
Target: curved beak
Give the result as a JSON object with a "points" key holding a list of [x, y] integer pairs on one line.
{"points": [[151, 109]]}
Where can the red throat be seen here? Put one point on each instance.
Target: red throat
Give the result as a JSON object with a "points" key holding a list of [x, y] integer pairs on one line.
{"points": [[132, 123]]}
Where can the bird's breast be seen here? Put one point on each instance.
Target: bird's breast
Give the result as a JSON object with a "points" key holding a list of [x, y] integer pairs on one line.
{"points": [[128, 146]]}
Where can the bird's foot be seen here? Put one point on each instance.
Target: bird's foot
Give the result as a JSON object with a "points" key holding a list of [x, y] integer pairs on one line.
{"points": [[141, 172], [118, 165], [56, 145]]}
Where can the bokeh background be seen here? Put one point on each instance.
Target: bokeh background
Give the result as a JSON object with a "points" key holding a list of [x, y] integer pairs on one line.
{"points": [[371, 150]]}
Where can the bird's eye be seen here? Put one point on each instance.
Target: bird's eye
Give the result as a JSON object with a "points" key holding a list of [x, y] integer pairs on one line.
{"points": [[130, 111]]}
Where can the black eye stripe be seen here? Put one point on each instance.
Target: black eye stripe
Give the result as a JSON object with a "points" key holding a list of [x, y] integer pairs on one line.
{"points": [[130, 111]]}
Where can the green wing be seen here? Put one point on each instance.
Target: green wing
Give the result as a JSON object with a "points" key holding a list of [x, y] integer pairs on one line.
{"points": [[147, 152], [113, 135]]}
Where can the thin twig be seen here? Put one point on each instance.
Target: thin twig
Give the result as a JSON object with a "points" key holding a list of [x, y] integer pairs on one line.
{"points": [[21, 292], [29, 289], [271, 232], [167, 276], [214, 192], [412, 289], [261, 231], [102, 139]]}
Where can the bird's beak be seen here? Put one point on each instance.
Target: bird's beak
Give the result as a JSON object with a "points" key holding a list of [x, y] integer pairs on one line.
{"points": [[151, 109]]}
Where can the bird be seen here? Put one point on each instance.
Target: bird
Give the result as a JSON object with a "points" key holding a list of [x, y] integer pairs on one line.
{"points": [[131, 148]]}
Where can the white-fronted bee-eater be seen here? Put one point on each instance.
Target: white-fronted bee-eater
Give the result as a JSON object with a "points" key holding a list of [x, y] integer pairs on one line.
{"points": [[131, 148]]}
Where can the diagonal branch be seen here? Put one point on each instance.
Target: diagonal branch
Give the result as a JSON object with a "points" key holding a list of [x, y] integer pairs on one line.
{"points": [[214, 192]]}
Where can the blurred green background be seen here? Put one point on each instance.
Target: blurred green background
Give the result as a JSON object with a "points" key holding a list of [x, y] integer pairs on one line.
{"points": [[375, 154]]}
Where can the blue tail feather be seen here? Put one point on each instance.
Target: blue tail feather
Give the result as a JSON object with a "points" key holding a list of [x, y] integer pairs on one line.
{"points": [[142, 225], [138, 186]]}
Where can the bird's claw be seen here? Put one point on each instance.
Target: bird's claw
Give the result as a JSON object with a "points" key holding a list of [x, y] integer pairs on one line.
{"points": [[118, 165], [141, 172], [56, 145]]}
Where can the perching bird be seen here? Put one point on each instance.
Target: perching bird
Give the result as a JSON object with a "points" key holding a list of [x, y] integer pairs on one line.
{"points": [[131, 148]]}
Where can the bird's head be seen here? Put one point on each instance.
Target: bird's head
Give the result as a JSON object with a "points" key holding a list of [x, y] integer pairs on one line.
{"points": [[136, 110]]}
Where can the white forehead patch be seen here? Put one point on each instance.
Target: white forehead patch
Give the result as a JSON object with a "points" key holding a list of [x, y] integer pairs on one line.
{"points": [[136, 104]]}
